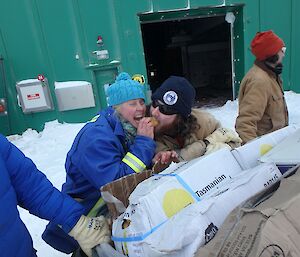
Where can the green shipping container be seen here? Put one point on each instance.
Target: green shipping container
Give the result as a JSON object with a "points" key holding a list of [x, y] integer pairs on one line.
{"points": [[206, 41]]}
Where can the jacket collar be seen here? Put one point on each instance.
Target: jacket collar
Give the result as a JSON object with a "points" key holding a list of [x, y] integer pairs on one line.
{"points": [[262, 65], [114, 121], [271, 73]]}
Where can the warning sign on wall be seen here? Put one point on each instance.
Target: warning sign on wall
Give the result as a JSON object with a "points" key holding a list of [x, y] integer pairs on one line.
{"points": [[33, 96]]}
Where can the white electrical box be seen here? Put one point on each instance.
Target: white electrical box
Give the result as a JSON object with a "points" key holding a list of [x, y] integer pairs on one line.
{"points": [[73, 95], [34, 95]]}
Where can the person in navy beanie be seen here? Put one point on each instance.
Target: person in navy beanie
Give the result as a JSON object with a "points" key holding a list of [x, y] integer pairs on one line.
{"points": [[183, 128], [177, 93]]}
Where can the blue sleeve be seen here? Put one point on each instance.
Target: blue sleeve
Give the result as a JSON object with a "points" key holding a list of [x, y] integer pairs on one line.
{"points": [[35, 192], [100, 153]]}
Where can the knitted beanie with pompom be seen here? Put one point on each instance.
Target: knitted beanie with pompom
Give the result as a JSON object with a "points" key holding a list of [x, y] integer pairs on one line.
{"points": [[124, 89]]}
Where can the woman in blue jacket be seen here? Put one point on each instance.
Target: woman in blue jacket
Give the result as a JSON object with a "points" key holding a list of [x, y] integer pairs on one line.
{"points": [[117, 142], [21, 183]]}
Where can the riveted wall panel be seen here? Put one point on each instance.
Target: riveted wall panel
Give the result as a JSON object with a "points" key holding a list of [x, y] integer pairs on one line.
{"points": [[281, 25], [57, 39]]}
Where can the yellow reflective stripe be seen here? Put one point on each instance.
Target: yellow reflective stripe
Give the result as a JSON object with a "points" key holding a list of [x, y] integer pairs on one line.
{"points": [[137, 160], [130, 165], [133, 162], [94, 211], [95, 118]]}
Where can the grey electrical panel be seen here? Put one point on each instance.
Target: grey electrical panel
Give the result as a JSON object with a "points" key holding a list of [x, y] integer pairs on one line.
{"points": [[34, 95]]}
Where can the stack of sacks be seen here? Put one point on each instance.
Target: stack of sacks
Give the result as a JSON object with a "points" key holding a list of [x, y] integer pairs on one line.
{"points": [[160, 197], [249, 154], [266, 225], [285, 154], [143, 230], [198, 223]]}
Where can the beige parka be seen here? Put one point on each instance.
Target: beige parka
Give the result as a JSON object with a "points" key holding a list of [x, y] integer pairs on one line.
{"points": [[193, 146], [262, 107]]}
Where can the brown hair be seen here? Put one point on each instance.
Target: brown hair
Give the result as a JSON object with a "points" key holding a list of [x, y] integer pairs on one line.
{"points": [[186, 125]]}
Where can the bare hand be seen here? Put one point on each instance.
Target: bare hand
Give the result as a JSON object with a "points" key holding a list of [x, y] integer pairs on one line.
{"points": [[166, 157], [145, 128]]}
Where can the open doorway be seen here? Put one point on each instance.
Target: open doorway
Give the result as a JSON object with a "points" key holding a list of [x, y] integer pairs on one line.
{"points": [[197, 48]]}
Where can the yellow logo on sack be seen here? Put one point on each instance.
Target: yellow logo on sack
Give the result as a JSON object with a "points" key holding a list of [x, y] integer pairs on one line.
{"points": [[265, 148], [139, 78], [175, 200]]}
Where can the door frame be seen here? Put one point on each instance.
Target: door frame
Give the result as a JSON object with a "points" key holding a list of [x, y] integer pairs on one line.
{"points": [[5, 127], [237, 33]]}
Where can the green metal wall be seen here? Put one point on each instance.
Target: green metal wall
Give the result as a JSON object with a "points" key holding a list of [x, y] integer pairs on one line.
{"points": [[281, 17], [43, 37]]}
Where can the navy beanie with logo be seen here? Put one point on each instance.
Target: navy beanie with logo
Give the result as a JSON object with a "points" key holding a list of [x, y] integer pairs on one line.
{"points": [[177, 93]]}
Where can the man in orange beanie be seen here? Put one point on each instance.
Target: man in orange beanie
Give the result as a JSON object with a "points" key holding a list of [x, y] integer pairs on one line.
{"points": [[262, 107]]}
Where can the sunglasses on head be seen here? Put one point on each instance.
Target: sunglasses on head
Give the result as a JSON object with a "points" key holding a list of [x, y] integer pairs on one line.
{"points": [[164, 109]]}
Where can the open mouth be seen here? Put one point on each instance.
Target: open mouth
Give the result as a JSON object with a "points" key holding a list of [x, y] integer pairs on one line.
{"points": [[138, 118]]}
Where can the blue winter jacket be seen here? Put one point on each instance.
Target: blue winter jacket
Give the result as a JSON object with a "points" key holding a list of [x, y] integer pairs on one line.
{"points": [[98, 156], [21, 183]]}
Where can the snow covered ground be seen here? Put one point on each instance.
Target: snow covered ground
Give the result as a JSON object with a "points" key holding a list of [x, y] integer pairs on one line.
{"points": [[48, 150]]}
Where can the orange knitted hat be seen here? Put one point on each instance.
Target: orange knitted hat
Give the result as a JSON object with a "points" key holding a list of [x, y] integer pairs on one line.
{"points": [[266, 44]]}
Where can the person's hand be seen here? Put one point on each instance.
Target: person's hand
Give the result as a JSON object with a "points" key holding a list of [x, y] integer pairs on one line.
{"points": [[163, 159], [145, 127], [215, 146], [91, 231], [166, 157], [223, 135]]}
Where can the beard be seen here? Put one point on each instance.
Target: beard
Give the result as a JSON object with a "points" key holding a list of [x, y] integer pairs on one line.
{"points": [[277, 69], [170, 129]]}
